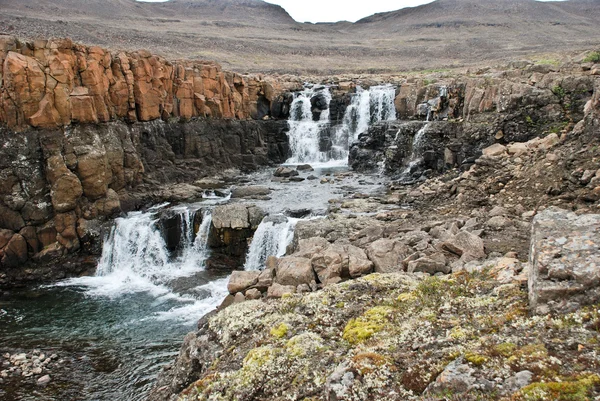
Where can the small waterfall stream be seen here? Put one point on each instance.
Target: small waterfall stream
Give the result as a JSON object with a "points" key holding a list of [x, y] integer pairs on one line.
{"points": [[271, 238], [314, 140]]}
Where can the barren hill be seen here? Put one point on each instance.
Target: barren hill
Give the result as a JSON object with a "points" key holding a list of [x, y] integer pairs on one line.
{"points": [[252, 35]]}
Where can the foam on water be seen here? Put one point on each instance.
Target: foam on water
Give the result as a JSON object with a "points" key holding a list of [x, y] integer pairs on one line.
{"points": [[271, 238]]}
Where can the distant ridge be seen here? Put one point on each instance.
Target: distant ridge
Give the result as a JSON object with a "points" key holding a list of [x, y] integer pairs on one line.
{"points": [[253, 35]]}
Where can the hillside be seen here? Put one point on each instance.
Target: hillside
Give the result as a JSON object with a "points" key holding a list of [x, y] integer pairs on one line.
{"points": [[252, 35]]}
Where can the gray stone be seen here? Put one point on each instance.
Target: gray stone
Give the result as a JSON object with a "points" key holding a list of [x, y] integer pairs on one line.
{"points": [[499, 222], [387, 255], [294, 271], [239, 298], [253, 293], [517, 382], [240, 281], [234, 216], [250, 192], [265, 279], [277, 290], [564, 261], [285, 172], [457, 377], [466, 245], [42, 381], [427, 265]]}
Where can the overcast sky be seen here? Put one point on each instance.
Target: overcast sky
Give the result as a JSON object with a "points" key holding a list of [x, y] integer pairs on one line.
{"points": [[338, 10]]}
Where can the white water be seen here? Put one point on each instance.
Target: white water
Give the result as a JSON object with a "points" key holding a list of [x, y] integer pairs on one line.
{"points": [[271, 238], [304, 132], [367, 107], [135, 259], [417, 146]]}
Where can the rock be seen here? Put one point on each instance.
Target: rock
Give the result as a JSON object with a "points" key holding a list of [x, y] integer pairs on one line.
{"points": [[297, 179], [517, 382], [517, 149], [387, 255], [307, 248], [564, 261], [499, 222], [239, 298], [312, 178], [466, 245], [412, 238], [305, 167], [457, 378], [427, 265], [285, 172], [293, 271], [15, 252], [250, 192], [339, 262], [42, 381], [240, 281], [253, 293], [265, 278], [236, 216], [278, 291], [498, 211], [548, 141], [494, 150]]}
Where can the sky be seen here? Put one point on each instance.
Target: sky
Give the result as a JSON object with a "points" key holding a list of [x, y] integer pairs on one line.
{"points": [[339, 10]]}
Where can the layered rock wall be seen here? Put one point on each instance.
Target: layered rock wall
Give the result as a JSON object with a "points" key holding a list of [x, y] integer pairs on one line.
{"points": [[51, 83]]}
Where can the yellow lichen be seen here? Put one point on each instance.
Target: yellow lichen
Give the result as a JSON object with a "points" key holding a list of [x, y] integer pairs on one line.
{"points": [[280, 331], [362, 328], [575, 390], [475, 359], [505, 349], [258, 357], [458, 333]]}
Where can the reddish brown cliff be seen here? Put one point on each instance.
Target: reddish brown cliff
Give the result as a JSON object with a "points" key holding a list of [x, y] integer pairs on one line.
{"points": [[51, 83]]}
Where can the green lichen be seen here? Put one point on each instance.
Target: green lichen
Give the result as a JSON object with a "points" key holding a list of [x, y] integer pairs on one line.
{"points": [[576, 390], [280, 331], [505, 349], [593, 57], [362, 328], [476, 359]]}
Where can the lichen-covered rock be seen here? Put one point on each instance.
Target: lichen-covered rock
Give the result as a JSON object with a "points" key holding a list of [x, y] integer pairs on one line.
{"points": [[385, 336], [565, 261]]}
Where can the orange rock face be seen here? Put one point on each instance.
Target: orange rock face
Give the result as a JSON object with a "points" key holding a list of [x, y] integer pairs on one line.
{"points": [[49, 84]]}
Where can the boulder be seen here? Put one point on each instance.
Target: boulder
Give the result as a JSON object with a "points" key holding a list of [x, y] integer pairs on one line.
{"points": [[236, 216], [293, 271], [278, 290], [466, 245], [15, 252], [564, 261], [305, 167], [494, 150], [307, 248], [265, 278], [387, 255], [240, 281], [253, 293], [428, 265], [285, 172], [250, 192], [456, 378]]}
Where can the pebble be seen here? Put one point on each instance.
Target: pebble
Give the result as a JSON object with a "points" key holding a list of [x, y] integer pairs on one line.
{"points": [[42, 381]]}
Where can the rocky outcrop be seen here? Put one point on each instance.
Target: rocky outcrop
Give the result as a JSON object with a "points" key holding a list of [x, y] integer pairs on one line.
{"points": [[565, 261], [58, 187], [408, 335], [466, 114], [53, 83], [232, 226], [88, 134]]}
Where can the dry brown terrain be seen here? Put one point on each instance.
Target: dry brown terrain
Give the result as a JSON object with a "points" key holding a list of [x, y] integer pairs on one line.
{"points": [[254, 36]]}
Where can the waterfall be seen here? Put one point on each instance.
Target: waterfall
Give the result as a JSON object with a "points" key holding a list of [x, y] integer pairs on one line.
{"points": [[315, 141], [306, 130], [135, 257], [271, 238], [417, 146]]}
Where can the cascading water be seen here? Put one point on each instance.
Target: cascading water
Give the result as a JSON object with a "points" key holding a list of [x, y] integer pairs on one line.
{"points": [[271, 238], [135, 256], [305, 133], [368, 106]]}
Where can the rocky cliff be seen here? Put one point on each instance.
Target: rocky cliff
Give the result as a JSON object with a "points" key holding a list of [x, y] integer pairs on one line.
{"points": [[88, 134]]}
